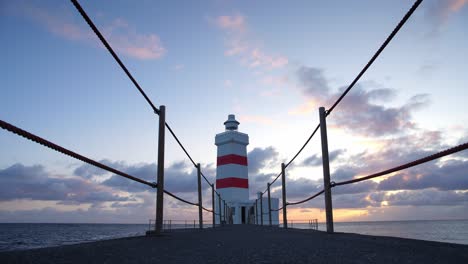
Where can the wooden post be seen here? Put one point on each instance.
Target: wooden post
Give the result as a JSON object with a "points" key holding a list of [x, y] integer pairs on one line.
{"points": [[213, 204], [224, 207], [256, 211], [326, 171], [219, 204], [261, 208], [283, 183], [269, 204], [200, 203], [160, 189]]}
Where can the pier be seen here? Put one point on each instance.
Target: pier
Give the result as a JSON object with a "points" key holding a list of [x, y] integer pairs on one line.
{"points": [[227, 244]]}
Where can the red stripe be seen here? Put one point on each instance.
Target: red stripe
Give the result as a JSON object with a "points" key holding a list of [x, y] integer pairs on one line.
{"points": [[232, 159], [232, 183]]}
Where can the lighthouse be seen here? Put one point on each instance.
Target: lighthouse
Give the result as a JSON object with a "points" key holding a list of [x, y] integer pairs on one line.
{"points": [[232, 177]]}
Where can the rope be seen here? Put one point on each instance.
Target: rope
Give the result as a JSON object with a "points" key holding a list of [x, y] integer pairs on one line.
{"points": [[276, 178], [305, 200], [208, 210], [111, 51], [178, 198], [382, 47], [46, 143], [303, 146], [275, 210], [407, 165], [180, 144]]}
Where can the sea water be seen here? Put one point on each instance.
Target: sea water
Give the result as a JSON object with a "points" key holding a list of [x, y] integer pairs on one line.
{"points": [[450, 231], [28, 236]]}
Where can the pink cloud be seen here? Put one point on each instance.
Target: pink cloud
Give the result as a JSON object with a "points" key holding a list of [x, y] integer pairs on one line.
{"points": [[442, 10], [119, 34], [238, 43], [236, 22]]}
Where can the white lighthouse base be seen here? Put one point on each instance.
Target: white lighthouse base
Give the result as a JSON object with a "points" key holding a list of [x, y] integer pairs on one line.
{"points": [[245, 212]]}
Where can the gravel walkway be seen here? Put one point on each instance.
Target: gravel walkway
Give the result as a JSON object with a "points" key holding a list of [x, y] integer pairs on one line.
{"points": [[248, 244]]}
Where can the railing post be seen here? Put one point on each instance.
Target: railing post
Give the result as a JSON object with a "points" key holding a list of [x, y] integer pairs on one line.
{"points": [[224, 207], [269, 204], [261, 208], [200, 203], [256, 211], [213, 204], [326, 170], [219, 211], [160, 189], [283, 183]]}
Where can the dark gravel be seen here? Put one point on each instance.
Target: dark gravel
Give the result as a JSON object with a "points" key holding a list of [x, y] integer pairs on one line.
{"points": [[248, 244]]}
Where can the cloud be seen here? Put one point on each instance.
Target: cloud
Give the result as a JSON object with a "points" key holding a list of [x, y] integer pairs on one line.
{"points": [[35, 183], [120, 35], [313, 82], [234, 23], [441, 10], [238, 44], [260, 158], [452, 175], [427, 198], [361, 111], [179, 177], [316, 160]]}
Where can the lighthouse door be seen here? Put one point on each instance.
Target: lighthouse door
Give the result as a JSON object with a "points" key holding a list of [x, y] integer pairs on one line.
{"points": [[243, 214]]}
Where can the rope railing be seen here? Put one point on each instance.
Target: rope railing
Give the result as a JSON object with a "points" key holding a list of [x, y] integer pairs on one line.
{"points": [[377, 53], [23, 133], [406, 165], [136, 84], [28, 135], [112, 52], [306, 199], [326, 113]]}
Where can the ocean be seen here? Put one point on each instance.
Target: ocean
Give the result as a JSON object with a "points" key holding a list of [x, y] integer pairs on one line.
{"points": [[28, 236], [450, 231]]}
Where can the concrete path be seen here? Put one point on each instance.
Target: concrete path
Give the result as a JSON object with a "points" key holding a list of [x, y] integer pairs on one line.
{"points": [[248, 244]]}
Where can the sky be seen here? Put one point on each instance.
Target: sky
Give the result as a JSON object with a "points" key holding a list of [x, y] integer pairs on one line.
{"points": [[272, 64]]}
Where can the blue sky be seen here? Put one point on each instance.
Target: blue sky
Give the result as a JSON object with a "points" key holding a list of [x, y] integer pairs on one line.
{"points": [[270, 63]]}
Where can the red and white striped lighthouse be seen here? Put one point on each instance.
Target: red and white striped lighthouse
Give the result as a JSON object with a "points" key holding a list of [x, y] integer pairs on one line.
{"points": [[232, 179]]}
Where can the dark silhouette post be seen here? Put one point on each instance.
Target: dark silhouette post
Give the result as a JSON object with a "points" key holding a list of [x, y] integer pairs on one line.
{"points": [[219, 211], [225, 211], [200, 203], [213, 205], [269, 204], [283, 183], [256, 211], [261, 208], [160, 189], [326, 170]]}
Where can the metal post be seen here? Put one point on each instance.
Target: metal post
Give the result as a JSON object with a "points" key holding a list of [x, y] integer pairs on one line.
{"points": [[224, 207], [219, 204], [326, 170], [256, 211], [200, 203], [261, 208], [283, 183], [213, 205], [160, 189], [269, 204]]}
